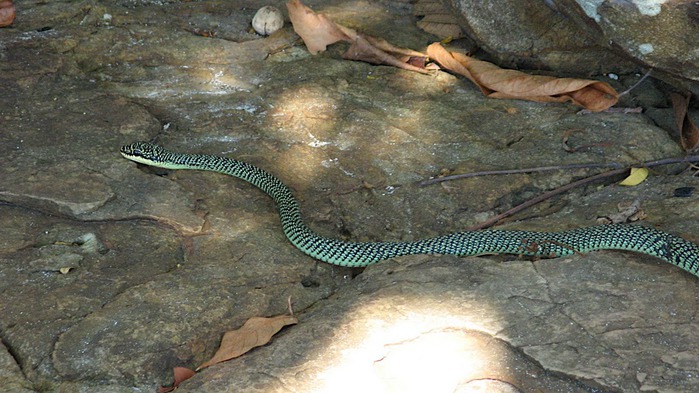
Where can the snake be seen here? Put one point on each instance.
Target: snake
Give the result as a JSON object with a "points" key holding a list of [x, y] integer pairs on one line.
{"points": [[629, 237]]}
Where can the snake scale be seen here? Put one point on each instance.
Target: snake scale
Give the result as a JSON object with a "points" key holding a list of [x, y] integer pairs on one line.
{"points": [[636, 238]]}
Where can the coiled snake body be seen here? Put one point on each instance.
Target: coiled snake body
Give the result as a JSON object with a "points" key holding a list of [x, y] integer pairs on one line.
{"points": [[641, 239]]}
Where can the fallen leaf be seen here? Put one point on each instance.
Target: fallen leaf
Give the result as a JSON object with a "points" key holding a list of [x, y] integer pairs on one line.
{"points": [[255, 332], [318, 31], [637, 176], [180, 375], [496, 82], [437, 19], [7, 13], [689, 133], [379, 51]]}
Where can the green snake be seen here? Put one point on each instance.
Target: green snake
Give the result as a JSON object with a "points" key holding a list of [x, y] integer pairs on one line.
{"points": [[636, 238]]}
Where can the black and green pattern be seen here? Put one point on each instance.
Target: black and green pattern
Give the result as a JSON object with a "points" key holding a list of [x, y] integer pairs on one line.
{"points": [[635, 238]]}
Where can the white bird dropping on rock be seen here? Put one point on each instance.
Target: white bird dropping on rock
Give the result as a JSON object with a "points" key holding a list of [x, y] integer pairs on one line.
{"points": [[267, 20]]}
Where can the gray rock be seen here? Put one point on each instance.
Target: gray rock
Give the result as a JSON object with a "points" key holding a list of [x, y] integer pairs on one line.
{"points": [[428, 323], [535, 35], [162, 263], [592, 36]]}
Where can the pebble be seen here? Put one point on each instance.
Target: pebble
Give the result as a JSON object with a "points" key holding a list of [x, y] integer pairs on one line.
{"points": [[267, 20]]}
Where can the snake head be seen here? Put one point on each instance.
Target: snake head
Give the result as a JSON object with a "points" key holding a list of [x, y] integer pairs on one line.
{"points": [[143, 152]]}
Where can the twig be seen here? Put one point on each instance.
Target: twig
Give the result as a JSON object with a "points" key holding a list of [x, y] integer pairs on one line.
{"points": [[646, 164], [625, 92], [492, 221], [635, 85], [545, 196], [515, 171], [637, 109]]}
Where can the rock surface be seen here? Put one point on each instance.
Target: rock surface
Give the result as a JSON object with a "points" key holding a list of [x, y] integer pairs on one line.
{"points": [[594, 35], [111, 273]]}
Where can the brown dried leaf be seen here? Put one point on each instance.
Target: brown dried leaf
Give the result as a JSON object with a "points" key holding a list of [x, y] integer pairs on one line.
{"points": [[379, 51], [446, 60], [316, 30], [438, 19], [441, 25], [180, 375], [402, 53], [496, 82], [255, 332], [7, 13], [689, 133]]}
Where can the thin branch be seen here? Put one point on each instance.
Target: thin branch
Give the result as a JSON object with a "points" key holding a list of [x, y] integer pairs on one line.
{"points": [[625, 92], [636, 109], [492, 221], [635, 85], [646, 164], [614, 172], [516, 171]]}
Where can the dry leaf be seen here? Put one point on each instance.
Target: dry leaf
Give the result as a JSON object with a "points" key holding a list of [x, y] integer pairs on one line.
{"points": [[379, 51], [7, 13], [496, 82], [318, 31], [401, 53], [180, 375], [438, 19], [255, 332], [446, 60], [689, 133], [441, 25]]}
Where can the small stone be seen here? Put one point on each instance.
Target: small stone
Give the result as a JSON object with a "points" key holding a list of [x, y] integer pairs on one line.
{"points": [[267, 20], [645, 48]]}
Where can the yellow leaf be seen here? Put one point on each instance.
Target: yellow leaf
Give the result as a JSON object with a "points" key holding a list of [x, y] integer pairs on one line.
{"points": [[637, 176]]}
